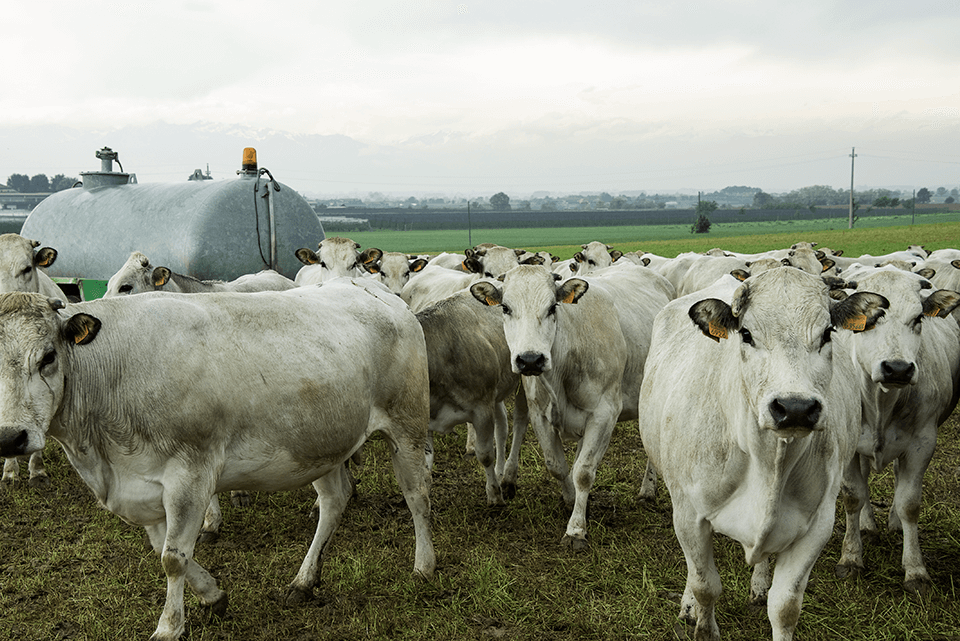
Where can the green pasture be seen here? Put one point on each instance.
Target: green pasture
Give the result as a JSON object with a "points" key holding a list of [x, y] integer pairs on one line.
{"points": [[871, 235]]}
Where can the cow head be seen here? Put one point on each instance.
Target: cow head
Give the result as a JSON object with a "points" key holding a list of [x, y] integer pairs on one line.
{"points": [[781, 322], [394, 269], [888, 356], [595, 255], [19, 261], [337, 257], [137, 275], [530, 298], [493, 261], [34, 341]]}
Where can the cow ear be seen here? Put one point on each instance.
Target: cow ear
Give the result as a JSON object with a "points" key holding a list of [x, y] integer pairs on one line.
{"points": [[369, 255], [418, 264], [714, 318], [487, 293], [371, 267], [532, 260], [741, 274], [859, 312], [827, 263], [307, 256], [472, 265], [578, 257], [80, 329], [572, 290], [955, 263], [616, 254], [940, 303], [161, 276], [645, 261], [45, 257]]}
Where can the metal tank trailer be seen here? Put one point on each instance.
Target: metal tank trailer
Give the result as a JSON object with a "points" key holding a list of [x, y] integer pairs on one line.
{"points": [[208, 229]]}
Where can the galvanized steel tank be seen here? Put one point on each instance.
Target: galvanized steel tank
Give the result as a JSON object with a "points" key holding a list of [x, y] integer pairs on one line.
{"points": [[208, 229]]}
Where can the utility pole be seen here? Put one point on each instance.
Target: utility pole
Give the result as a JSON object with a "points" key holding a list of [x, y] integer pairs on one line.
{"points": [[469, 226], [853, 155]]}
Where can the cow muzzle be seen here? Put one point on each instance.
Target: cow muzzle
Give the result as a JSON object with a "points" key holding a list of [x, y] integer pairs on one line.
{"points": [[897, 373], [796, 415], [530, 363], [13, 442]]}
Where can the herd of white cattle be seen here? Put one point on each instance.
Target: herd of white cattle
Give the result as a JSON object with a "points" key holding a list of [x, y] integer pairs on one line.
{"points": [[766, 386]]}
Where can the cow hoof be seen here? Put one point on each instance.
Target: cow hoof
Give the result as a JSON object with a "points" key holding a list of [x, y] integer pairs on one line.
{"points": [[208, 537], [297, 596], [917, 587], [509, 490], [848, 571], [575, 543], [217, 609], [40, 482], [9, 483], [240, 499]]}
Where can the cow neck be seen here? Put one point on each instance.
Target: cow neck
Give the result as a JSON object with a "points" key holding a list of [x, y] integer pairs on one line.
{"points": [[773, 473]]}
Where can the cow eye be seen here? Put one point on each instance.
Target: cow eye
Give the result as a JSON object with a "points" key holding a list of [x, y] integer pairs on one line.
{"points": [[917, 323], [746, 336], [125, 289], [506, 310], [323, 264], [26, 270], [827, 336], [48, 359], [552, 310]]}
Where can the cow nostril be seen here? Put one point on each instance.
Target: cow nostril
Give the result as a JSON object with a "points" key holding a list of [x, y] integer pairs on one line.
{"points": [[14, 445], [531, 362], [897, 371], [795, 412]]}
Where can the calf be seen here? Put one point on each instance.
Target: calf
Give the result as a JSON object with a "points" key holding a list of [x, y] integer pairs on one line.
{"points": [[20, 271], [751, 430], [162, 400], [908, 367]]}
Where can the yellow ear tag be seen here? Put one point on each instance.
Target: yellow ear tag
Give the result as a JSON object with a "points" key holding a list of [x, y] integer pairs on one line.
{"points": [[856, 323], [491, 302], [79, 338], [570, 297], [463, 266], [933, 312], [716, 330]]}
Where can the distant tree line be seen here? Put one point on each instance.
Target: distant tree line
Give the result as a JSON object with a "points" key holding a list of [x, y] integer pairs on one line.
{"points": [[40, 183]]}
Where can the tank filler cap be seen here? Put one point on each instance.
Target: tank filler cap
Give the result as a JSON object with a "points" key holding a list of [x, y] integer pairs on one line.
{"points": [[249, 165]]}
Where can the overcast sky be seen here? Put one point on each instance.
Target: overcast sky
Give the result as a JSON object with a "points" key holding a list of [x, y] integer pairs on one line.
{"points": [[452, 95]]}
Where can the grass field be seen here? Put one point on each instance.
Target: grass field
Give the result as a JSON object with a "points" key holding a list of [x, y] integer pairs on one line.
{"points": [[70, 571], [871, 235]]}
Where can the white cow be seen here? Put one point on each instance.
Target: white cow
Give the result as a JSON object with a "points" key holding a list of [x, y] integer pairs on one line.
{"points": [[908, 367], [581, 364], [162, 400], [335, 258], [593, 256], [394, 269], [751, 430], [137, 275], [20, 271]]}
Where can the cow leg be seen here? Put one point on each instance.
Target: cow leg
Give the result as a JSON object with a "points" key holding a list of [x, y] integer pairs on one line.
{"points": [[484, 424], [11, 471], [697, 606], [414, 480], [471, 447], [853, 493], [38, 473], [648, 488], [501, 426], [508, 480], [240, 498], [907, 498], [792, 572], [760, 582], [868, 521], [212, 520], [174, 541], [333, 492], [592, 447]]}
